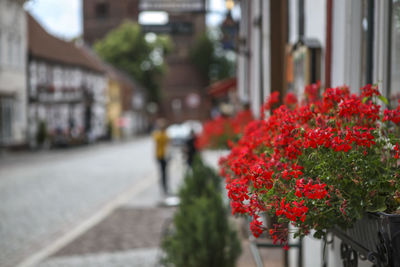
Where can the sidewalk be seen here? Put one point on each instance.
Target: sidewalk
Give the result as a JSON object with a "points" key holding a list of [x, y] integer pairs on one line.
{"points": [[131, 234], [117, 241]]}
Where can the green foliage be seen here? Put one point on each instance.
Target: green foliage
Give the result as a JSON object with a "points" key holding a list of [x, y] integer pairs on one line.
{"points": [[360, 178], [202, 235], [127, 48], [210, 59]]}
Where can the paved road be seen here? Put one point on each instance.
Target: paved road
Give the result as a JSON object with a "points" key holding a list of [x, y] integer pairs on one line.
{"points": [[44, 195]]}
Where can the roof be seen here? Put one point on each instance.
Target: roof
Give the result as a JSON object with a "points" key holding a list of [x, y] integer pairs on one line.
{"points": [[221, 87], [128, 79], [112, 72], [44, 45], [91, 56]]}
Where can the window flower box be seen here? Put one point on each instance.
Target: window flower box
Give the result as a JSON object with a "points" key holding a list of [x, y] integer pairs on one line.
{"points": [[321, 163]]}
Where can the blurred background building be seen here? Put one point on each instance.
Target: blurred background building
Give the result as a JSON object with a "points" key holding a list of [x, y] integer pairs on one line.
{"points": [[54, 91], [67, 92], [183, 88], [13, 58], [134, 117], [100, 17], [125, 100]]}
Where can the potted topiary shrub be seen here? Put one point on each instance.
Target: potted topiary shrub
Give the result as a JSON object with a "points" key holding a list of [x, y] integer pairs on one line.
{"points": [[201, 234], [41, 134], [322, 164]]}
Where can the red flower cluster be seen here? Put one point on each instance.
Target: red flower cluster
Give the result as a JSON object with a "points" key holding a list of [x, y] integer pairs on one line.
{"points": [[304, 161], [393, 115], [219, 132]]}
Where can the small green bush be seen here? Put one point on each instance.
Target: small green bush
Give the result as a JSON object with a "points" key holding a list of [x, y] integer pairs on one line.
{"points": [[41, 134], [202, 235]]}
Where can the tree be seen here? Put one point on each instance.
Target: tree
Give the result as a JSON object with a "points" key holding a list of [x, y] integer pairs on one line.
{"points": [[140, 55], [210, 59]]}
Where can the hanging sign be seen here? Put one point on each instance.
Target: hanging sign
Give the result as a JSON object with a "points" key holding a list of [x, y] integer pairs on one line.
{"points": [[172, 5]]}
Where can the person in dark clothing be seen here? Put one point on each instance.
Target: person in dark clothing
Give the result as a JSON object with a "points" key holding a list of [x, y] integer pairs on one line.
{"points": [[190, 148]]}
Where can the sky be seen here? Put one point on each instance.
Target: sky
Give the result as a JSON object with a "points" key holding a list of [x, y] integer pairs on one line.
{"points": [[63, 18]]}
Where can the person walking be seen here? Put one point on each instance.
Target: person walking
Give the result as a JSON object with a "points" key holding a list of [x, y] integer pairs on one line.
{"points": [[191, 150], [161, 141]]}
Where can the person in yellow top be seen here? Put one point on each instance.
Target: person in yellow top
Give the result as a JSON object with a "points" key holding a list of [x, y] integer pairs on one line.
{"points": [[161, 141]]}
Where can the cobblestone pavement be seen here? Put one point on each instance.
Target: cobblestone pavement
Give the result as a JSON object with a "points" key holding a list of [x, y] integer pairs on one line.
{"points": [[133, 258], [128, 237], [44, 195], [131, 235]]}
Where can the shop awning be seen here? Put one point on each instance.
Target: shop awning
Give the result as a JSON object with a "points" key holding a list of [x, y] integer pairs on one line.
{"points": [[222, 87]]}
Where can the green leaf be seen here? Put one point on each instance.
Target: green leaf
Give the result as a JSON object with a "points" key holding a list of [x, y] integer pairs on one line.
{"points": [[318, 234], [364, 100], [378, 204], [383, 99]]}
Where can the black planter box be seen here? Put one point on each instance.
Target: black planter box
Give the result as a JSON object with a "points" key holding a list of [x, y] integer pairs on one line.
{"points": [[376, 237]]}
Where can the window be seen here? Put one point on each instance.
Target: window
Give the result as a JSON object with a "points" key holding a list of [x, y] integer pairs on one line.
{"points": [[395, 52], [42, 74], [33, 79], [101, 10]]}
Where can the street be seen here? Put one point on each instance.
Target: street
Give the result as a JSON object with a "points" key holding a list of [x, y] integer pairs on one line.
{"points": [[45, 195]]}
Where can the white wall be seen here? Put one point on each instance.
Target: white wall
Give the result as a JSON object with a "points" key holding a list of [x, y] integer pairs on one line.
{"points": [[13, 32], [253, 70], [255, 57], [293, 19], [312, 252], [243, 60], [338, 44], [315, 20], [69, 83], [380, 68], [315, 26], [346, 52], [266, 35]]}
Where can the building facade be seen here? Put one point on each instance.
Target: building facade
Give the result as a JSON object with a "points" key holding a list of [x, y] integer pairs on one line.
{"points": [[134, 117], [67, 92], [114, 106], [334, 41], [13, 103], [126, 114], [183, 88], [101, 16], [261, 44]]}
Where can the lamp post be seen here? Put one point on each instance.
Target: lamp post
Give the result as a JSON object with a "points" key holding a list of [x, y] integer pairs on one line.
{"points": [[229, 28]]}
